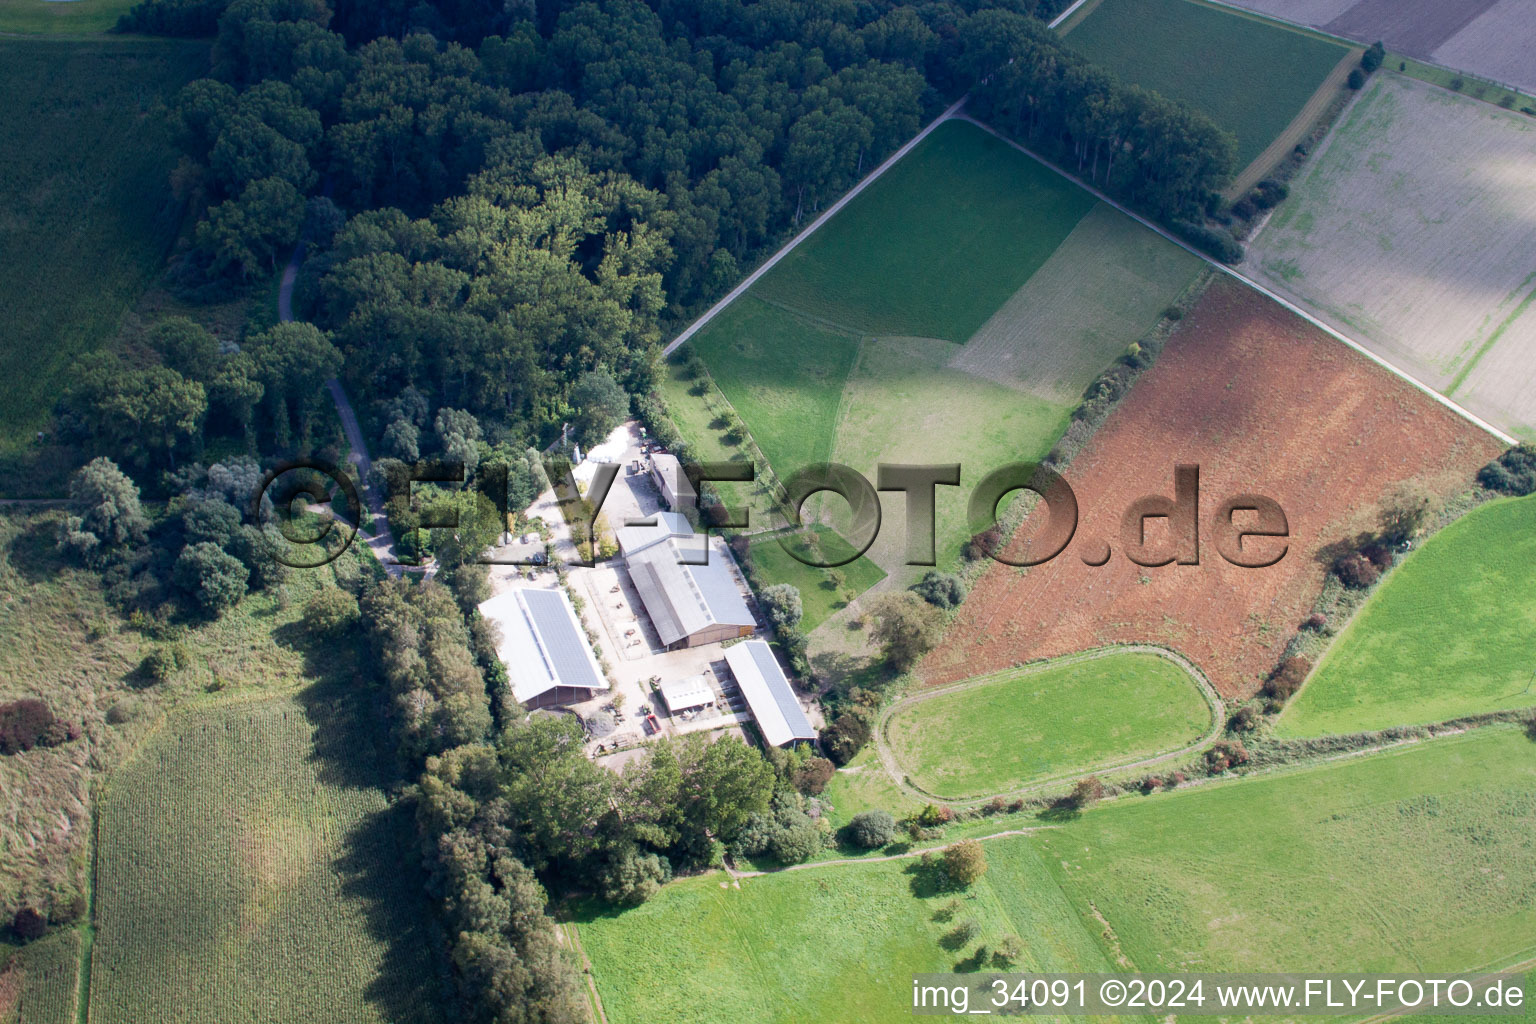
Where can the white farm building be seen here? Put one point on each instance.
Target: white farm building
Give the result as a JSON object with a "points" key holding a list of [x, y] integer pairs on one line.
{"points": [[686, 582], [544, 648], [768, 693]]}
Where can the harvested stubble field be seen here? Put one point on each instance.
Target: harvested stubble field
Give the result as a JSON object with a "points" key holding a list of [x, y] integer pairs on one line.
{"points": [[1451, 632], [1497, 44], [1044, 721], [1491, 38], [250, 869], [1412, 229], [1262, 402], [1104, 287], [1251, 77]]}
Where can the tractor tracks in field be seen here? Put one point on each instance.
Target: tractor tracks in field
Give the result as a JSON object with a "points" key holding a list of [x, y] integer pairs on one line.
{"points": [[1301, 125]]}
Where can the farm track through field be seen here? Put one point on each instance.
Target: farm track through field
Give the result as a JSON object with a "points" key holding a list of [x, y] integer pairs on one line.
{"points": [[898, 777], [1298, 129]]}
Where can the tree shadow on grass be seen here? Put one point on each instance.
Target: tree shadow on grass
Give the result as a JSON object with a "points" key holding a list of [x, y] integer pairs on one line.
{"points": [[353, 747], [1061, 811], [927, 877], [31, 553]]}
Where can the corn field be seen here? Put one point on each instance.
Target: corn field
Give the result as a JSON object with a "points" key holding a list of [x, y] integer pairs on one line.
{"points": [[244, 877]]}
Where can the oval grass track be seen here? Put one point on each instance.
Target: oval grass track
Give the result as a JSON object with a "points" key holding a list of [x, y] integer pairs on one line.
{"points": [[1002, 732], [1451, 632]]}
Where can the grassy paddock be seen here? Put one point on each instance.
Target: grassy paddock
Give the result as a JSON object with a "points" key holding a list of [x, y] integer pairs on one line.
{"points": [[783, 374], [50, 17], [904, 405], [1252, 77], [863, 785], [819, 599], [831, 945], [250, 868], [934, 246], [1416, 859], [1030, 724], [88, 214], [1450, 632]]}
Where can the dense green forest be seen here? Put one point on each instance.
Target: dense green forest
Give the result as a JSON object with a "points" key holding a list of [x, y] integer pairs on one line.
{"points": [[497, 201]]}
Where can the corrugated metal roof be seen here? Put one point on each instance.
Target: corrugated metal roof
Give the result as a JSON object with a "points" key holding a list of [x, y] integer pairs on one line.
{"points": [[655, 595], [683, 598], [554, 619], [542, 643], [687, 693], [633, 539], [718, 587], [768, 693]]}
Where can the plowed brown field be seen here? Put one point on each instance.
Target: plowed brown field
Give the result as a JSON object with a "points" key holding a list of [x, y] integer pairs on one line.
{"points": [[1262, 402]]}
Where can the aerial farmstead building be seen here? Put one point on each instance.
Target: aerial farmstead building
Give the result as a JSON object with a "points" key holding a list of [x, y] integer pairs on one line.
{"points": [[766, 689], [688, 694], [690, 599], [544, 647], [667, 473]]}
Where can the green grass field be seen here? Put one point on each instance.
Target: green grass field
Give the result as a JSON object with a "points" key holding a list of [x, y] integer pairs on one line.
{"points": [[1251, 77], [1451, 632], [903, 404], [1041, 722], [863, 785], [819, 599], [934, 246], [54, 17], [830, 945], [909, 328], [250, 868], [88, 214], [784, 376], [1417, 859]]}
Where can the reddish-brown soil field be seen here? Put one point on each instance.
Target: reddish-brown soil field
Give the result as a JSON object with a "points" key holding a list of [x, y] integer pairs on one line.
{"points": [[1263, 403]]}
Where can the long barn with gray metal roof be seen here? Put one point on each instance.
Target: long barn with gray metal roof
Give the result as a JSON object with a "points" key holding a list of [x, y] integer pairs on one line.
{"points": [[544, 647], [687, 583], [769, 695]]}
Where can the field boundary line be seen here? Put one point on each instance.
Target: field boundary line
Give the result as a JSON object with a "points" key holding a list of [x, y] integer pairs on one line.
{"points": [[1315, 30], [1521, 305], [1064, 15], [1331, 85], [826, 215], [888, 857], [572, 935], [1214, 704], [1269, 293]]}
